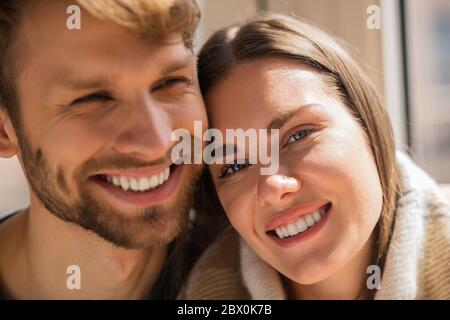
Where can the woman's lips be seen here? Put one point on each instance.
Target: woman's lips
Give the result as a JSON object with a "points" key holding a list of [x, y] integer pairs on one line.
{"points": [[305, 235], [294, 213]]}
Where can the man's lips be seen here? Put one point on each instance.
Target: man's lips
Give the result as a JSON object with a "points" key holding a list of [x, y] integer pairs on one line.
{"points": [[136, 172], [294, 213], [150, 196]]}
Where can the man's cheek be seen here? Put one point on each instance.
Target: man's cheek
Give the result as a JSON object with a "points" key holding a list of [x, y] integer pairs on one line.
{"points": [[195, 111]]}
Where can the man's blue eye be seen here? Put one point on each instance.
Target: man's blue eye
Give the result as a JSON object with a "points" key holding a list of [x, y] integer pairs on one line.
{"points": [[299, 135], [232, 169]]}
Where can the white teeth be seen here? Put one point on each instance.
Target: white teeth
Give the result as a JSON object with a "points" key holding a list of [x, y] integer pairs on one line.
{"points": [[299, 226], [124, 183], [139, 184], [279, 233], [154, 181], [134, 185], [309, 220], [285, 232], [292, 229], [144, 184], [166, 174], [316, 216], [116, 181]]}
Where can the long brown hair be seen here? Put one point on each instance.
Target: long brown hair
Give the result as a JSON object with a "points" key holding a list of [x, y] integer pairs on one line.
{"points": [[285, 37]]}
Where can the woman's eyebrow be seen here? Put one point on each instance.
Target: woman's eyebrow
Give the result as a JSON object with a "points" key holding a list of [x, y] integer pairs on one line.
{"points": [[284, 116], [226, 149]]}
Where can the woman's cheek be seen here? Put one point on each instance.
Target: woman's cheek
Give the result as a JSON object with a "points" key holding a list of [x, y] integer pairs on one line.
{"points": [[346, 162], [238, 206]]}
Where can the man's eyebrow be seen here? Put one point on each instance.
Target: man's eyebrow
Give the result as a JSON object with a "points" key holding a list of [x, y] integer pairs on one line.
{"points": [[84, 84], [94, 83], [284, 116]]}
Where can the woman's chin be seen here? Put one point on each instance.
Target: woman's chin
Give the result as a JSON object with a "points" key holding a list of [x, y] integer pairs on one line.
{"points": [[310, 277], [311, 273]]}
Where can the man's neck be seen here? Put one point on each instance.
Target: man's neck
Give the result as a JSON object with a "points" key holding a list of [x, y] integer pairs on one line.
{"points": [[38, 249]]}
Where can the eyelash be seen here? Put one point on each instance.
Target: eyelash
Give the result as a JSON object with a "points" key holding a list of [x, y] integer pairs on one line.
{"points": [[306, 131], [99, 96], [94, 97], [172, 81], [224, 173]]}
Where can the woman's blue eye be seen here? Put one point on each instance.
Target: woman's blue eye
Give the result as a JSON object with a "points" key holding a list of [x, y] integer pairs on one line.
{"points": [[232, 169], [299, 135]]}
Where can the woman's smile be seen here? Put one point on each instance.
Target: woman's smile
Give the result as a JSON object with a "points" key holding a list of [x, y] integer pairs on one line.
{"points": [[298, 224]]}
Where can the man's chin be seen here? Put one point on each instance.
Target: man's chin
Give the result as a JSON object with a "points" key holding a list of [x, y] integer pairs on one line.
{"points": [[150, 227], [132, 225]]}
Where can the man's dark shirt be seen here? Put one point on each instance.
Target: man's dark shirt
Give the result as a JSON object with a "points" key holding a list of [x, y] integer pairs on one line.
{"points": [[182, 256], [1, 221]]}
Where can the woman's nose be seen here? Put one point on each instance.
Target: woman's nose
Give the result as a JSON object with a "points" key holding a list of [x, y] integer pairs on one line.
{"points": [[274, 189]]}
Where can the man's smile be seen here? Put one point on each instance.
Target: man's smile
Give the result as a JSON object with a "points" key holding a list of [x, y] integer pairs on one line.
{"points": [[137, 180], [140, 187]]}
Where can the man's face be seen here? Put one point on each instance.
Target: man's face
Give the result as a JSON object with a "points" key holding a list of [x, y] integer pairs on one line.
{"points": [[98, 106]]}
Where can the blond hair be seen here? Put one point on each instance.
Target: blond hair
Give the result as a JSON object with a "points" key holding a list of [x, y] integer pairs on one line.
{"points": [[148, 18], [285, 37]]}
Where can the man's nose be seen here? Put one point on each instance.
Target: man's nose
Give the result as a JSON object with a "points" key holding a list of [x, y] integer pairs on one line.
{"points": [[146, 132], [276, 189]]}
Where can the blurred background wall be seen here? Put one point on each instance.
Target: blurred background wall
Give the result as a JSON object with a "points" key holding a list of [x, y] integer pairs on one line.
{"points": [[13, 187], [408, 59], [345, 19]]}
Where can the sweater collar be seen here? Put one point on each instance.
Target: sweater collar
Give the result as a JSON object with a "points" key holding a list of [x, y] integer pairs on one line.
{"points": [[420, 197]]}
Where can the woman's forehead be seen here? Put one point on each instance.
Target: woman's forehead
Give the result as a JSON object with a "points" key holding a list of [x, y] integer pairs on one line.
{"points": [[254, 91]]}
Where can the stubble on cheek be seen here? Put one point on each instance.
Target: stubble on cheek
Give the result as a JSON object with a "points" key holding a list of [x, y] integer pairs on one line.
{"points": [[153, 226], [61, 180]]}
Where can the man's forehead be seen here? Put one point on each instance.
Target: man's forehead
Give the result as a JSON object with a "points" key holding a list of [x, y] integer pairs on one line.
{"points": [[97, 53], [45, 31]]}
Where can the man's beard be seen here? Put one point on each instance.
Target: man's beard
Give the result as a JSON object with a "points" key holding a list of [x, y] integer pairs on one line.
{"points": [[152, 227]]}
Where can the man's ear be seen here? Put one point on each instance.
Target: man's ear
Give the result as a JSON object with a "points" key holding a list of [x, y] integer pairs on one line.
{"points": [[8, 140]]}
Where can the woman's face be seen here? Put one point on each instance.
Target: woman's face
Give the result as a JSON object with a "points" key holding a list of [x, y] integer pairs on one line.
{"points": [[314, 215]]}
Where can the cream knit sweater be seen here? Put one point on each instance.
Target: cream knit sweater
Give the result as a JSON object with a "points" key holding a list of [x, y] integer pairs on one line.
{"points": [[417, 264]]}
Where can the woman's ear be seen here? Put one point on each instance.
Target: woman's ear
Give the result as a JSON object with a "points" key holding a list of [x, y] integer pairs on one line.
{"points": [[8, 139]]}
